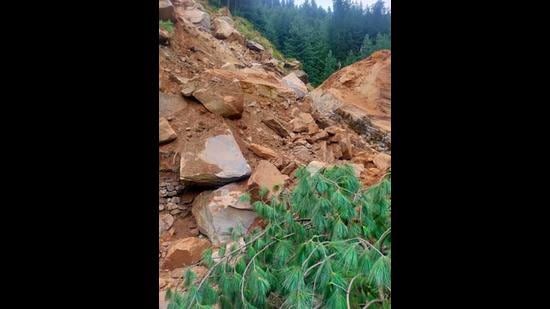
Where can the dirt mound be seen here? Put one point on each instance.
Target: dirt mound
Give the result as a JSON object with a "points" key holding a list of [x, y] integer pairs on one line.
{"points": [[365, 84]]}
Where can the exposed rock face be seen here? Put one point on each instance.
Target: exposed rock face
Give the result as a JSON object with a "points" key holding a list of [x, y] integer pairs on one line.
{"points": [[214, 160], [304, 122], [166, 133], [185, 252], [218, 211], [293, 82], [361, 92], [266, 175], [166, 10], [255, 46]]}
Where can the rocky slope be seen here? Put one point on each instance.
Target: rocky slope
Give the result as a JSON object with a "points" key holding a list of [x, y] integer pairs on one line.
{"points": [[233, 119], [360, 94]]}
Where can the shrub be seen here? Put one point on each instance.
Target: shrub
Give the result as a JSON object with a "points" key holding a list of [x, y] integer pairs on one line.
{"points": [[327, 244], [166, 25]]}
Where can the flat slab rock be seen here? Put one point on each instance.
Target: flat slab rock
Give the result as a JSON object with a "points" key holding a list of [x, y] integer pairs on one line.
{"points": [[218, 211], [213, 160]]}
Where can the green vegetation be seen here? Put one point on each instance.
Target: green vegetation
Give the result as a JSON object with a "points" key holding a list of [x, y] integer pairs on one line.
{"points": [[327, 244], [249, 32], [348, 31], [166, 25]]}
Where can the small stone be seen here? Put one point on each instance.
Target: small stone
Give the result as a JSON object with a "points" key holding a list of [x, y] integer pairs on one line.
{"points": [[262, 151], [188, 129]]}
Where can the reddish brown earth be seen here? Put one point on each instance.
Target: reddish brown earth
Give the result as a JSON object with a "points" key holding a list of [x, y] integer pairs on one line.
{"points": [[365, 84]]}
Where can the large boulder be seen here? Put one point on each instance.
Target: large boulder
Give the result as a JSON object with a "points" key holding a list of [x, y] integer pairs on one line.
{"points": [[166, 133], [218, 212], [266, 175], [185, 252], [225, 31], [196, 16], [220, 93], [213, 160], [293, 82], [166, 10]]}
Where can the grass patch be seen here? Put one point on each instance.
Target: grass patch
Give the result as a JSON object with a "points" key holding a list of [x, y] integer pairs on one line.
{"points": [[166, 25], [249, 32]]}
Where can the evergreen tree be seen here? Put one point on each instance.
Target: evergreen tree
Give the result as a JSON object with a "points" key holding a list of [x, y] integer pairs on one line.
{"points": [[331, 65], [327, 244], [307, 32]]}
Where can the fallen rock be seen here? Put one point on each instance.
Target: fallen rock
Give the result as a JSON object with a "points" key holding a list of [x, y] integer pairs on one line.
{"points": [[220, 93], [213, 160], [263, 152], [382, 161], [293, 82], [315, 166], [336, 150], [266, 175], [166, 10], [346, 147], [170, 104], [302, 76], [322, 135], [225, 31], [229, 66], [333, 130], [255, 46], [187, 90], [166, 133], [276, 126], [219, 211], [195, 16], [185, 252], [293, 64], [164, 37], [289, 168], [304, 122], [165, 222], [325, 153]]}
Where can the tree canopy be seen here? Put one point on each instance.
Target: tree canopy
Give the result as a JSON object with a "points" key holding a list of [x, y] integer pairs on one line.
{"points": [[346, 33]]}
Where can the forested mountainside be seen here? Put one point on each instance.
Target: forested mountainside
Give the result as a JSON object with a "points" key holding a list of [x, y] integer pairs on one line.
{"points": [[323, 40]]}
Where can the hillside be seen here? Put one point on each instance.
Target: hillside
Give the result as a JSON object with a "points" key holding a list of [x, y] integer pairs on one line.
{"points": [[235, 116]]}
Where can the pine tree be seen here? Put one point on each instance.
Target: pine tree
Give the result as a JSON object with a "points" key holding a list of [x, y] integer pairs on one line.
{"points": [[331, 65], [327, 243]]}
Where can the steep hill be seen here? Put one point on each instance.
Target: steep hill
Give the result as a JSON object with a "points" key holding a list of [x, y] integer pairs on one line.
{"points": [[233, 118]]}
